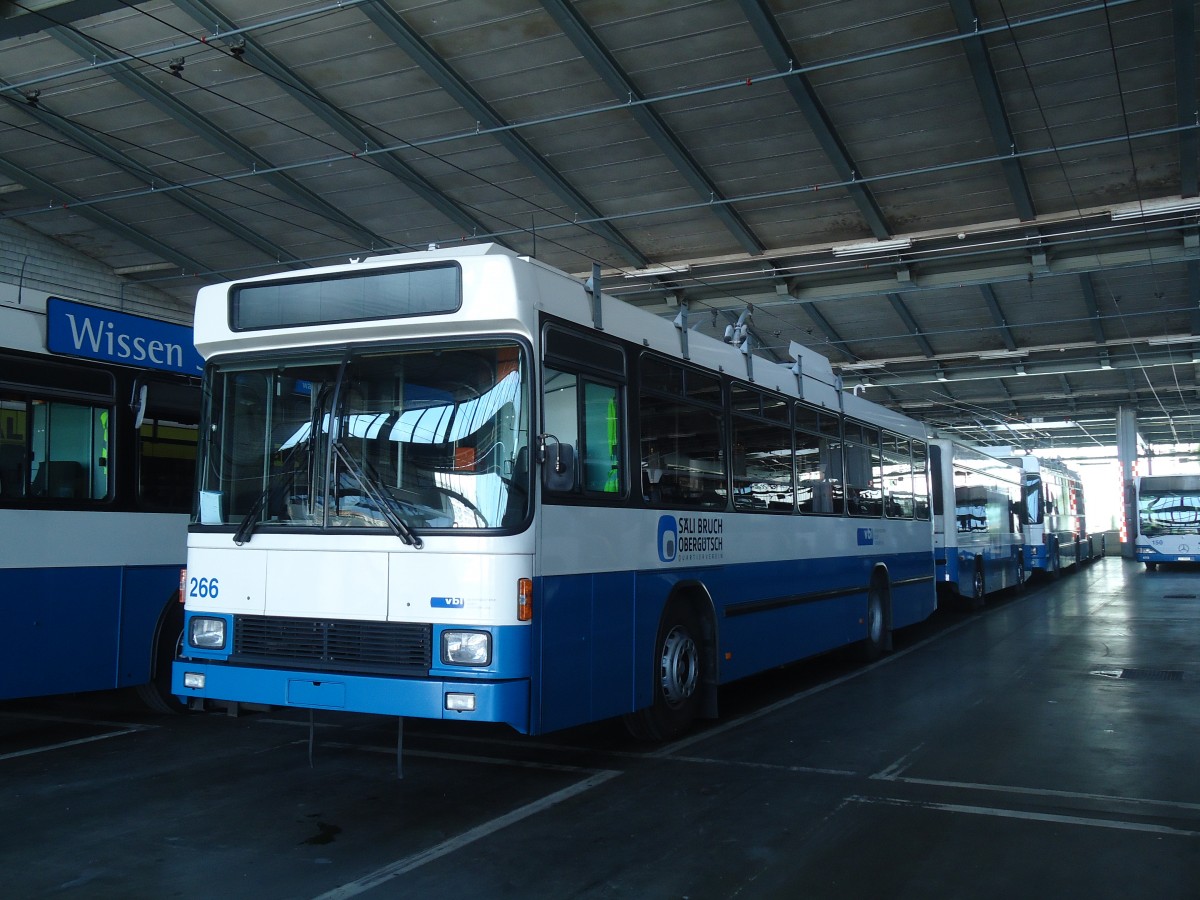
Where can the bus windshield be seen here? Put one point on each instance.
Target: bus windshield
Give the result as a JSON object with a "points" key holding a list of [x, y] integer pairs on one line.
{"points": [[412, 440], [1169, 512]]}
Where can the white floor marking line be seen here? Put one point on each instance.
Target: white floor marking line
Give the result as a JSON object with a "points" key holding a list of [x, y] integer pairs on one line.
{"points": [[465, 757], [1029, 816], [72, 720], [1040, 792], [32, 751], [683, 743], [774, 767], [892, 772], [401, 866]]}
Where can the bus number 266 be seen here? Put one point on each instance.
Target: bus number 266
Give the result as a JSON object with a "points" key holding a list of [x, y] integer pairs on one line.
{"points": [[203, 587]]}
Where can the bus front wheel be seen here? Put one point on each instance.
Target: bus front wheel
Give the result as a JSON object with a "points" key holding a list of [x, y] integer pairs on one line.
{"points": [[677, 678], [168, 639]]}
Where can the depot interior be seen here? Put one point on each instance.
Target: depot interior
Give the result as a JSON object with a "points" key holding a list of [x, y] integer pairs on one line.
{"points": [[983, 212]]}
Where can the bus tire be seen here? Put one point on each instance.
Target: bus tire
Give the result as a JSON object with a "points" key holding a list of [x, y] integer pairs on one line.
{"points": [[878, 637], [168, 638], [978, 587], [677, 671], [1022, 575]]}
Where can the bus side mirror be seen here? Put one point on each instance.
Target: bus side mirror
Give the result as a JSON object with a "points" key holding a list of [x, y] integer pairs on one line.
{"points": [[558, 467]]}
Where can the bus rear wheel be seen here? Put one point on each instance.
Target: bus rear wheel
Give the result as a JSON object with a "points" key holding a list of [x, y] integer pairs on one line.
{"points": [[876, 642], [677, 670], [978, 588]]}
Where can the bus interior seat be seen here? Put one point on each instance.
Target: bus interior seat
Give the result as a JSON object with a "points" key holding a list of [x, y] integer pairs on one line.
{"points": [[58, 478], [12, 470]]}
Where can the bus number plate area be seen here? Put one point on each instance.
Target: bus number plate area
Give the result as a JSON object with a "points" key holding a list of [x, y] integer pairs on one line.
{"points": [[322, 694]]}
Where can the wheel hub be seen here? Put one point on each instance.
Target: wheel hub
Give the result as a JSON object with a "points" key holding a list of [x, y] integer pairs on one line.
{"points": [[680, 667]]}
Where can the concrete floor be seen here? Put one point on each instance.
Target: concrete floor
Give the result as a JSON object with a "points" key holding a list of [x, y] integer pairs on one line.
{"points": [[1046, 747]]}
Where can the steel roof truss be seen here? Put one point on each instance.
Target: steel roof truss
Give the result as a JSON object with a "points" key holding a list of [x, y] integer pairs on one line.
{"points": [[152, 93], [398, 31]]}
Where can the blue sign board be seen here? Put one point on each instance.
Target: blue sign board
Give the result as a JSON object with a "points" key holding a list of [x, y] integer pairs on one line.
{"points": [[93, 332]]}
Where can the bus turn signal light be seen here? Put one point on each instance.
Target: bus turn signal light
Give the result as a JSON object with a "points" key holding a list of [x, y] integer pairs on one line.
{"points": [[525, 600]]}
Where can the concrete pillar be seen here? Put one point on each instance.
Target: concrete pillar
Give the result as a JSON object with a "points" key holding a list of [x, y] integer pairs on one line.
{"points": [[1127, 454]]}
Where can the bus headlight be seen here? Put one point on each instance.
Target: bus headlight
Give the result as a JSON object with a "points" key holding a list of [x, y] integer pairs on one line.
{"points": [[466, 648], [207, 633]]}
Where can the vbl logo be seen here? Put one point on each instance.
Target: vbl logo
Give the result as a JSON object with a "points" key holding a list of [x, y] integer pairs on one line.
{"points": [[668, 538]]}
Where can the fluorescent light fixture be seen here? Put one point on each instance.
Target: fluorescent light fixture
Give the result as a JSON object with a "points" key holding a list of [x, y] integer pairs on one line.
{"points": [[1173, 339], [1160, 207], [1003, 354], [652, 271], [869, 247], [145, 267]]}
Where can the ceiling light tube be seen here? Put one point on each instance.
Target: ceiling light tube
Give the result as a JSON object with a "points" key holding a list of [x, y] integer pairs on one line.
{"points": [[1162, 206], [1002, 354], [652, 271], [1173, 339], [869, 247]]}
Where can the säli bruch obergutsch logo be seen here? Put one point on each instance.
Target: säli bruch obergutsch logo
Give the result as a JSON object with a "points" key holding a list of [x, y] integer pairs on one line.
{"points": [[689, 538]]}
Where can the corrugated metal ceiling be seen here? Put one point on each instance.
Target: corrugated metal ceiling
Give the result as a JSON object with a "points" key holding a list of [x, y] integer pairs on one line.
{"points": [[727, 145]]}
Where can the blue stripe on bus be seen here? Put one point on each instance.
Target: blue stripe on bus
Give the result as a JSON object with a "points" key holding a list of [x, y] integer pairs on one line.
{"points": [[496, 701], [590, 649], [80, 629]]}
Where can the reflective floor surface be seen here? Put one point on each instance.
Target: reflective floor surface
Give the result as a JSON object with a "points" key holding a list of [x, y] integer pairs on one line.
{"points": [[1045, 747]]}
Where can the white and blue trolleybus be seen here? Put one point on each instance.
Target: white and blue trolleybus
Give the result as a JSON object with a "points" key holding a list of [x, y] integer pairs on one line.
{"points": [[977, 541], [98, 413], [1168, 519], [461, 484]]}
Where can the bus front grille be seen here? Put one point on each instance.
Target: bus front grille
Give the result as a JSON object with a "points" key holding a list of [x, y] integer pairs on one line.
{"points": [[393, 648]]}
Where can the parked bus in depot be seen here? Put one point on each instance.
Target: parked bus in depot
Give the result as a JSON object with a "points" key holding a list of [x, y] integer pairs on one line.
{"points": [[977, 544], [463, 485], [97, 460], [1053, 517], [1168, 519]]}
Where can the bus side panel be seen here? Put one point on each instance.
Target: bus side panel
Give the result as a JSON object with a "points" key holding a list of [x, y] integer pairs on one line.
{"points": [[59, 627], [584, 649], [914, 597], [147, 591]]}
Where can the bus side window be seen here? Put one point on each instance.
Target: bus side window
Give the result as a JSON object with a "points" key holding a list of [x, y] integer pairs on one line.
{"points": [[560, 416], [589, 431], [70, 451]]}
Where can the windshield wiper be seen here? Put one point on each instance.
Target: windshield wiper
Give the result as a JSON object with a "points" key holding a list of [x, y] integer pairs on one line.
{"points": [[382, 501], [271, 493]]}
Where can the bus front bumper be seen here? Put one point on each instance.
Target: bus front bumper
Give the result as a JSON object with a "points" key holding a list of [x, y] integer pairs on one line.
{"points": [[431, 698]]}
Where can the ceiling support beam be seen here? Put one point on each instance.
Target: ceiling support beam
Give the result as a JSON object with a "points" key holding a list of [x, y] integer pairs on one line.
{"points": [[1093, 308], [189, 199], [398, 31], [911, 324], [993, 305], [574, 27], [21, 22], [967, 20], [103, 219], [152, 93], [208, 17], [1185, 96], [1193, 293], [801, 89], [835, 339]]}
